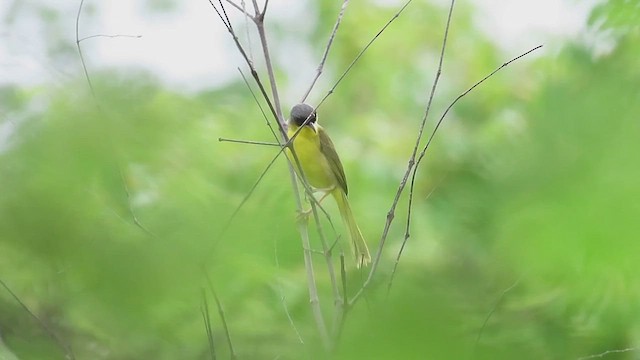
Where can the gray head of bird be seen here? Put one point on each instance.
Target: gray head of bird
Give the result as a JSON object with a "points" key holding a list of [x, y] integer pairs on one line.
{"points": [[301, 112]]}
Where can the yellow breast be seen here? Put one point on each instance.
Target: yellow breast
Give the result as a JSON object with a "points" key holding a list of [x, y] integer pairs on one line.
{"points": [[314, 164]]}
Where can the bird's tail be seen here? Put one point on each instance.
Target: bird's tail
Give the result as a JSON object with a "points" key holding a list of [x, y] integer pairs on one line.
{"points": [[358, 245]]}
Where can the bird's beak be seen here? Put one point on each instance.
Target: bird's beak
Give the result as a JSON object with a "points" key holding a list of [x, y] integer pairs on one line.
{"points": [[312, 125]]}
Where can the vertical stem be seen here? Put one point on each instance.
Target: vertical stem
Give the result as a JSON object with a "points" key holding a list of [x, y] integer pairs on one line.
{"points": [[267, 58]]}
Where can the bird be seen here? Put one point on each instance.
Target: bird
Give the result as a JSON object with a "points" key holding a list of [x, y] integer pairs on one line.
{"points": [[319, 163]]}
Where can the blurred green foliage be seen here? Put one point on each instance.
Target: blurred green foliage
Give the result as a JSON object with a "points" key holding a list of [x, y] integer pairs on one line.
{"points": [[523, 236]]}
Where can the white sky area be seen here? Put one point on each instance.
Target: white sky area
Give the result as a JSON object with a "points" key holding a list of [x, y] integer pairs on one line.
{"points": [[189, 48]]}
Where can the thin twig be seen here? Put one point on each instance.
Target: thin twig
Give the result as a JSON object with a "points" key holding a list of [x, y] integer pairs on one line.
{"points": [[64, 346], [603, 354], [97, 104], [343, 304], [264, 9], [419, 137], [110, 36], [326, 50], [241, 8], [267, 58], [247, 17], [355, 60], [404, 243], [254, 73], [390, 215], [282, 297], [433, 133], [255, 98], [403, 182], [129, 207], [493, 309], [84, 65], [223, 318], [252, 142], [327, 253], [207, 325]]}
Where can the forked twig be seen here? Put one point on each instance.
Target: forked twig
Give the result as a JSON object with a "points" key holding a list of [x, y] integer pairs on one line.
{"points": [[433, 133], [326, 50], [403, 182], [427, 111]]}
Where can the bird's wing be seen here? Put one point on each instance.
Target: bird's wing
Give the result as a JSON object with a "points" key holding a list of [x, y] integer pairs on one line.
{"points": [[328, 149]]}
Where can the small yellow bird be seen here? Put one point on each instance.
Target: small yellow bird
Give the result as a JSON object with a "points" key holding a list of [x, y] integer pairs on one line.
{"points": [[323, 170]]}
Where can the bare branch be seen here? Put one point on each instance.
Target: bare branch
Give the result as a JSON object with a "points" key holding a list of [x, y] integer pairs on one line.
{"points": [[493, 309], [223, 318], [207, 325], [110, 36], [266, 118], [241, 8], [403, 182], [84, 65], [95, 99], [264, 9], [314, 299], [342, 305], [282, 297], [270, 72], [259, 16], [603, 354], [137, 222], [355, 60], [326, 50], [423, 152], [327, 252], [404, 243], [412, 158], [249, 142], [254, 73], [433, 133]]}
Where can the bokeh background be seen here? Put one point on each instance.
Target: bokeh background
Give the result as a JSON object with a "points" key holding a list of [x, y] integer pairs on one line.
{"points": [[525, 225]]}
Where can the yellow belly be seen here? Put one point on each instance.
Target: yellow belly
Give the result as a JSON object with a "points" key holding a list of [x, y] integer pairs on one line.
{"points": [[314, 165]]}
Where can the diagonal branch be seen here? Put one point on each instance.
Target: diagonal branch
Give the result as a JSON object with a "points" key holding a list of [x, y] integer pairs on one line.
{"points": [[355, 60], [66, 347], [204, 309], [326, 50], [223, 318]]}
